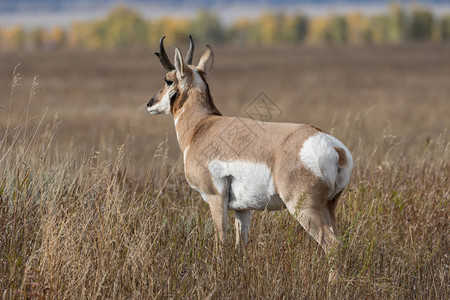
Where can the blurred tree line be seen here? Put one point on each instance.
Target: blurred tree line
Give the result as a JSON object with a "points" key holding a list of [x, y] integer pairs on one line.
{"points": [[124, 27]]}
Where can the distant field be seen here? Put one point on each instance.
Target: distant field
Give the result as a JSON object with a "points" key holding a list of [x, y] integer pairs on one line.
{"points": [[104, 93], [80, 217]]}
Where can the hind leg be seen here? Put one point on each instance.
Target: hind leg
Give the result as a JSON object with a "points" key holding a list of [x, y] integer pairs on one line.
{"points": [[313, 214], [242, 225], [328, 219], [316, 218], [329, 212], [314, 223]]}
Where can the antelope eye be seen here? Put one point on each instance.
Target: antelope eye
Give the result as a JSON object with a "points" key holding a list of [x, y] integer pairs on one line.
{"points": [[168, 82]]}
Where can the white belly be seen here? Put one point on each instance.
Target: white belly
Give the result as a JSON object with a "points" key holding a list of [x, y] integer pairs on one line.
{"points": [[248, 185]]}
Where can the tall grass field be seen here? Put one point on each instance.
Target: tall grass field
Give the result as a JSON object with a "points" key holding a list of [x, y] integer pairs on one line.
{"points": [[94, 204]]}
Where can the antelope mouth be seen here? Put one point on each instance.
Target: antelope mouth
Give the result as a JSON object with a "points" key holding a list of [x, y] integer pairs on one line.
{"points": [[152, 111]]}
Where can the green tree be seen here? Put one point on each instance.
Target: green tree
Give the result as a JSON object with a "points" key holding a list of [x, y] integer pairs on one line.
{"points": [[207, 26], [337, 28], [36, 37], [378, 29], [421, 24], [239, 32], [271, 27], [445, 27], [15, 37], [123, 27], [396, 23], [357, 28], [295, 28], [319, 30], [175, 29], [328, 29]]}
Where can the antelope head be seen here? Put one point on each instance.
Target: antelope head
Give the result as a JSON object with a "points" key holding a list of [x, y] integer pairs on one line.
{"points": [[180, 79]]}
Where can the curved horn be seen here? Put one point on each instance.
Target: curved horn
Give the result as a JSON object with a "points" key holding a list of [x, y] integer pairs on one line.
{"points": [[190, 53], [162, 55]]}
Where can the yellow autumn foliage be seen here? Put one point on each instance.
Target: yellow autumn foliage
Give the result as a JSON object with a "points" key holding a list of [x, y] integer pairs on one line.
{"points": [[125, 27]]}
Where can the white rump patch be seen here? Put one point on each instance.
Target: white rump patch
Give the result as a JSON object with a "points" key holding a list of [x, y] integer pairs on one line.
{"points": [[319, 155], [249, 185]]}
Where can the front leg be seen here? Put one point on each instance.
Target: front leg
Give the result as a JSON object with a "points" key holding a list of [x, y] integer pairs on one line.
{"points": [[219, 212]]}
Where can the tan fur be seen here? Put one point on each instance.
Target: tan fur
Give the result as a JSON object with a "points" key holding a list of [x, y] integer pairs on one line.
{"points": [[205, 135], [200, 131]]}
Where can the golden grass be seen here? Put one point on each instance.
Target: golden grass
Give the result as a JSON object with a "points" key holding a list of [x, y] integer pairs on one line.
{"points": [[102, 214]]}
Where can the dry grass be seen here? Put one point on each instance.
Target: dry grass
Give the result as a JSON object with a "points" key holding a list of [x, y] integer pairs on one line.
{"points": [[89, 208]]}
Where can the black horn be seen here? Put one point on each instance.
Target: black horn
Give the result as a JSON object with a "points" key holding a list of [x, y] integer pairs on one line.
{"points": [[162, 55], [190, 53]]}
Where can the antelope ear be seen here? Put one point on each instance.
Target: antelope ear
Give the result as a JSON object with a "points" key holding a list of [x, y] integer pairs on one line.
{"points": [[179, 64], [207, 60]]}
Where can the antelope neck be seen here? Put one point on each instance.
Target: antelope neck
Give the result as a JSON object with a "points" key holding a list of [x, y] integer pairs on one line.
{"points": [[196, 108]]}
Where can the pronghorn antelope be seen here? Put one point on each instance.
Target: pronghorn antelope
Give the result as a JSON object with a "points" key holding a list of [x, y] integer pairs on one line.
{"points": [[293, 166]]}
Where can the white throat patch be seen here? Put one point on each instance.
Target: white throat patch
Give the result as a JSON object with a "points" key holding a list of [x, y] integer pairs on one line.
{"points": [[163, 106]]}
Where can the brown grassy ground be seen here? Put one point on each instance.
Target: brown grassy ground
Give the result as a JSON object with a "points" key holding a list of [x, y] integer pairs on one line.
{"points": [[81, 216]]}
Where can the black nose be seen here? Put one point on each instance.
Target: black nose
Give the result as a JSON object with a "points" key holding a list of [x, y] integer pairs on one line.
{"points": [[151, 102]]}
